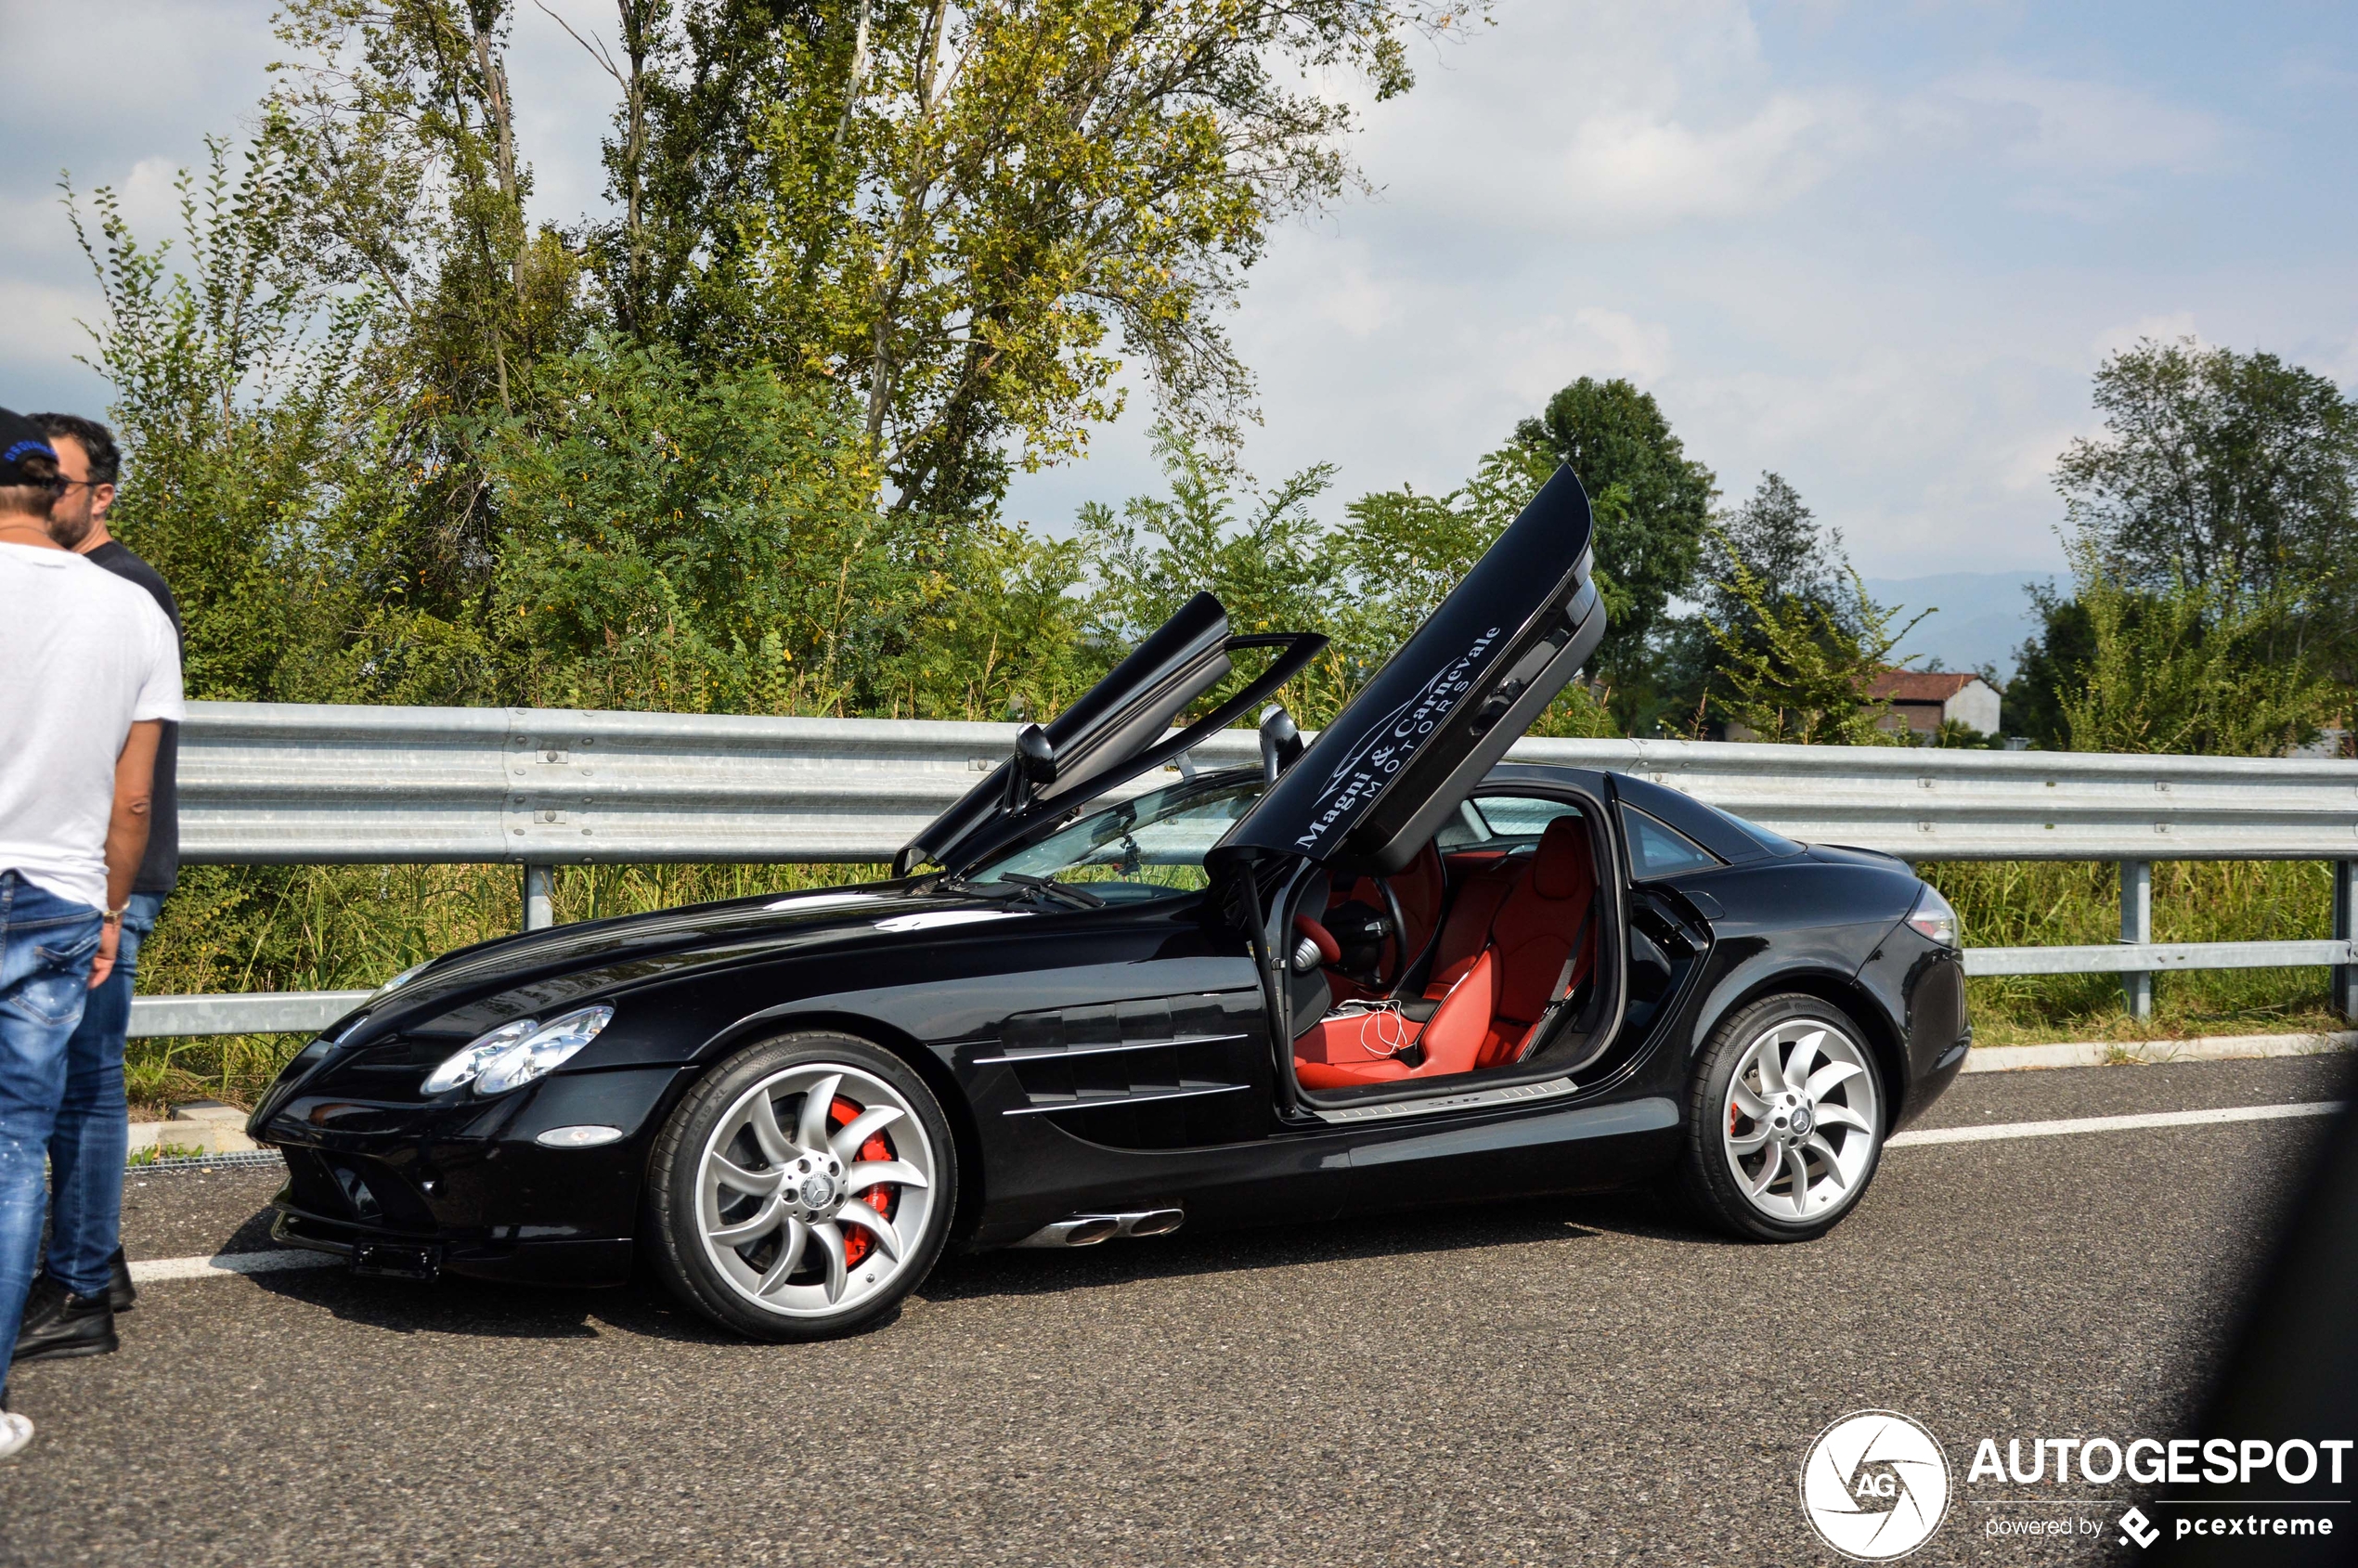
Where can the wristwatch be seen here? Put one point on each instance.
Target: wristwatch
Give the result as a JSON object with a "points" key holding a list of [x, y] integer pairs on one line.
{"points": [[114, 916]]}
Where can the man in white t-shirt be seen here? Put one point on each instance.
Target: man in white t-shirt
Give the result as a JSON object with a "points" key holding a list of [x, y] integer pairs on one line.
{"points": [[89, 673]]}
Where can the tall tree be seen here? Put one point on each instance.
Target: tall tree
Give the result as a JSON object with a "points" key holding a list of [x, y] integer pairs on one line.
{"points": [[971, 212], [1770, 546], [398, 118], [2223, 467], [1776, 536], [1612, 433]]}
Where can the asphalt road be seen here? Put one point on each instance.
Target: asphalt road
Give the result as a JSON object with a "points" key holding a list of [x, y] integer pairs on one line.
{"points": [[1582, 1380]]}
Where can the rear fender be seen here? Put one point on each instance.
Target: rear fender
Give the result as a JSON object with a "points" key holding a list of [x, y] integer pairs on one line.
{"points": [[1749, 983]]}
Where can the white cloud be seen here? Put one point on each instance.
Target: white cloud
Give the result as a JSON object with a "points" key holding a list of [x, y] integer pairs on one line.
{"points": [[150, 199], [1610, 119], [1633, 173], [42, 318], [1355, 298], [1532, 359]]}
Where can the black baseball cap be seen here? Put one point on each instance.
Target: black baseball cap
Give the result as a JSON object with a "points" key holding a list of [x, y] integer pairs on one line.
{"points": [[21, 443]]}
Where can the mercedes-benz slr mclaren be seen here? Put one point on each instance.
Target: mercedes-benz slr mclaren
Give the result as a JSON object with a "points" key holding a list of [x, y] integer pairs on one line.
{"points": [[1109, 993]]}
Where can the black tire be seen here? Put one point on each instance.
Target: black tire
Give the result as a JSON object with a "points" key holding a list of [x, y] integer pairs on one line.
{"points": [[689, 1260], [1707, 1178]]}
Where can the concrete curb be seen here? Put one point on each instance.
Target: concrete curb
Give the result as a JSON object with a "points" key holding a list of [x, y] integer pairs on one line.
{"points": [[203, 1127], [165, 1139], [2212, 1048]]}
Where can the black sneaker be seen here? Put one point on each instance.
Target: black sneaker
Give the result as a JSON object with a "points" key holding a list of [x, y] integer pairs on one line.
{"points": [[121, 1294], [59, 1324]]}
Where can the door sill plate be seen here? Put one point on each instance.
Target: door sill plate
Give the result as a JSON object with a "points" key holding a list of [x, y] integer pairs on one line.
{"points": [[1553, 1088]]}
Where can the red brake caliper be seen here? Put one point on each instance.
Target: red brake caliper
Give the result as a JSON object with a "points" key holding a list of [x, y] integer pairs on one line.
{"points": [[882, 1198]]}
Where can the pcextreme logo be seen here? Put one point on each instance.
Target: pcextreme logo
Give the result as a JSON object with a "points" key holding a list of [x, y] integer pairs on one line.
{"points": [[1875, 1485]]}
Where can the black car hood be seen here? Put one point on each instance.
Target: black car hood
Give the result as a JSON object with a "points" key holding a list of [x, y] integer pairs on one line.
{"points": [[735, 928]]}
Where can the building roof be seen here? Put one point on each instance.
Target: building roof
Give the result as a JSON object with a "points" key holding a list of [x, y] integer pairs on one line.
{"points": [[1920, 686]]}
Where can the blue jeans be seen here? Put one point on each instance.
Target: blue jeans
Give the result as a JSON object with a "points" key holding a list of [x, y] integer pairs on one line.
{"points": [[87, 1148], [47, 946]]}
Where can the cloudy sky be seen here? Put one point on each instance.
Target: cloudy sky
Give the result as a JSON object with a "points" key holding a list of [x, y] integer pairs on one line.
{"points": [[1875, 247]]}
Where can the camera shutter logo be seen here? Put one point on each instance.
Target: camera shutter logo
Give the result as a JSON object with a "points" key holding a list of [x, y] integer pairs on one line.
{"points": [[1875, 1485]]}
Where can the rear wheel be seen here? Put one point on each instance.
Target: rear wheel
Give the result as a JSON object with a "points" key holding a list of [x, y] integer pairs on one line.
{"points": [[803, 1188], [1786, 1122]]}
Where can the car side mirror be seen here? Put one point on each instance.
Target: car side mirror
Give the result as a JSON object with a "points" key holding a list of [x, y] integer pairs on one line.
{"points": [[1035, 757], [1281, 744]]}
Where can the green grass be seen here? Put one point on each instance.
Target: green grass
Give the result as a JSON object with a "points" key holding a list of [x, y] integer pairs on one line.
{"points": [[234, 928], [2046, 904], [161, 1152]]}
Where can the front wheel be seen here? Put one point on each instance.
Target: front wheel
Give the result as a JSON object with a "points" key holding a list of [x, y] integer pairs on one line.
{"points": [[1786, 1122], [802, 1190]]}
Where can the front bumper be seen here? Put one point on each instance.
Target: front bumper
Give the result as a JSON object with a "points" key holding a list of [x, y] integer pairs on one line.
{"points": [[462, 1187]]}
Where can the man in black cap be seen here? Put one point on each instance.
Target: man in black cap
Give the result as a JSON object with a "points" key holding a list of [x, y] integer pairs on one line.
{"points": [[93, 675], [86, 1149]]}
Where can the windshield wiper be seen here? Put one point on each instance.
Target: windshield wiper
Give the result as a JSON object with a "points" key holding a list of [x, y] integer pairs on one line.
{"points": [[1011, 885], [1078, 897]]}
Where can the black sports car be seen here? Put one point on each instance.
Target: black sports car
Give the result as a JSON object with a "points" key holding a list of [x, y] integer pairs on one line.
{"points": [[1379, 972]]}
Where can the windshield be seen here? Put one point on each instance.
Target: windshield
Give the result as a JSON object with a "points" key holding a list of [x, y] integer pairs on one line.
{"points": [[1147, 848]]}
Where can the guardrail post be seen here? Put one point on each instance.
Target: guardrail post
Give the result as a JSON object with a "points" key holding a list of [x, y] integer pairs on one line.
{"points": [[2137, 926], [539, 909], [2345, 982]]}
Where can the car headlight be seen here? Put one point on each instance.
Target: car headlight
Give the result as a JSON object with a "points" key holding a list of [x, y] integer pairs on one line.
{"points": [[543, 1051], [1932, 917], [396, 983], [468, 1065]]}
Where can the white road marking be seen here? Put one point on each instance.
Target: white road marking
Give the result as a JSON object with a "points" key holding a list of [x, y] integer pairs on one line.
{"points": [[2112, 1123], [223, 1264]]}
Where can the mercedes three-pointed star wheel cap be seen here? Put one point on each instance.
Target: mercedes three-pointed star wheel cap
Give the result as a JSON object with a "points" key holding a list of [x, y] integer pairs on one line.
{"points": [[1381, 777]]}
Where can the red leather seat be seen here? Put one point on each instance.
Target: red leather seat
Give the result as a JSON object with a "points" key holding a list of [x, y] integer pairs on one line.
{"points": [[1533, 935], [1466, 931], [1342, 1053], [1499, 992]]}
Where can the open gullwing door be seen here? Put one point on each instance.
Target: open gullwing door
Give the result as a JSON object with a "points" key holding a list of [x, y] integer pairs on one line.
{"points": [[1117, 731], [1379, 781]]}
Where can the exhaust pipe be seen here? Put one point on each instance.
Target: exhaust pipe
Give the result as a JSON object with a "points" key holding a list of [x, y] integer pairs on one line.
{"points": [[1087, 1230], [1081, 1230], [1154, 1222]]}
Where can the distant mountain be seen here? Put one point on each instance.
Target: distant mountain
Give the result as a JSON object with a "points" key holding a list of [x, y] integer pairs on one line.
{"points": [[1983, 617]]}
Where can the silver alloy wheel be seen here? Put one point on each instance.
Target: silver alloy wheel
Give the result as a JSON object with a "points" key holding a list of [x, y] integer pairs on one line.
{"points": [[1801, 1118], [777, 1190]]}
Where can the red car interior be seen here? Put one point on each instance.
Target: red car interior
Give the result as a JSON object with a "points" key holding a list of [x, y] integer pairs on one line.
{"points": [[1520, 935]]}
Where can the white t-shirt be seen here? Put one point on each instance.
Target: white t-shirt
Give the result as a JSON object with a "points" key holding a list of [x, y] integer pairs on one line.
{"points": [[84, 656]]}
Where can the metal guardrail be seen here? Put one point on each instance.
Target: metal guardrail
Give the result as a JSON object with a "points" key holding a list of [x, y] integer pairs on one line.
{"points": [[279, 784]]}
